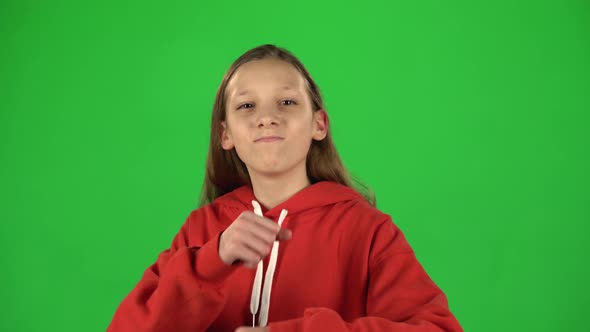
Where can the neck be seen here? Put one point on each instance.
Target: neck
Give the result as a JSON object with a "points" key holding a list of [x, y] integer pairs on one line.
{"points": [[271, 191]]}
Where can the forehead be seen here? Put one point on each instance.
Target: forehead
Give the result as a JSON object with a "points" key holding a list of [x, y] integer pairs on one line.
{"points": [[264, 75]]}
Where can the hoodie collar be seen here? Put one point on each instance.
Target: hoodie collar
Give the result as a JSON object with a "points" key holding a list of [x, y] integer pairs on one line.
{"points": [[313, 196]]}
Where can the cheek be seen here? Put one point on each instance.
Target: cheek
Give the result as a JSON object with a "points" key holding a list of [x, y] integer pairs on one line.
{"points": [[241, 139], [303, 127], [239, 131]]}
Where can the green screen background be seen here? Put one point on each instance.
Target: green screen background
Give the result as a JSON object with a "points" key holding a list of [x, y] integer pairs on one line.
{"points": [[469, 120]]}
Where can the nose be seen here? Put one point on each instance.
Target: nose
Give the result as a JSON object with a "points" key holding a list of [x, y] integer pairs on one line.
{"points": [[267, 116]]}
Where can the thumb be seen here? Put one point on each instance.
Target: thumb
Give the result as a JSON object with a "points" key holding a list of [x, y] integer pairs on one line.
{"points": [[284, 234]]}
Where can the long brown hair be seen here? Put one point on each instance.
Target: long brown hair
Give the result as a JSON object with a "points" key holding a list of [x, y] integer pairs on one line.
{"points": [[226, 172]]}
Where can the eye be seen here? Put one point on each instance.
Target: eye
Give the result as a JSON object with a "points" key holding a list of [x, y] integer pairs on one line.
{"points": [[244, 104], [292, 102]]}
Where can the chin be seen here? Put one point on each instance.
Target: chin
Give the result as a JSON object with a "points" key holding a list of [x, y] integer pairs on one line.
{"points": [[270, 168]]}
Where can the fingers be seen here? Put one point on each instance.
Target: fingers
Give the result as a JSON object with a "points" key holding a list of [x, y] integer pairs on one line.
{"points": [[249, 257], [264, 228], [259, 246], [258, 232], [250, 239], [260, 222]]}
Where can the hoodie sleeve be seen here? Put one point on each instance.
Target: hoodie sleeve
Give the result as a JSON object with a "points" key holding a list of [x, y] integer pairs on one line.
{"points": [[184, 290], [401, 297]]}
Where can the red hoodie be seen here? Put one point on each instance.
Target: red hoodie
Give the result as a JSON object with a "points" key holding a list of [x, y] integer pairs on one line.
{"points": [[347, 267]]}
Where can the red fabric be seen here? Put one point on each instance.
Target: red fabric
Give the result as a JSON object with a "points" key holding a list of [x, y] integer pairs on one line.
{"points": [[347, 267]]}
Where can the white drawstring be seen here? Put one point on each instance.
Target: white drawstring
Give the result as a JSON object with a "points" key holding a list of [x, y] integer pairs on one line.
{"points": [[255, 297], [256, 286]]}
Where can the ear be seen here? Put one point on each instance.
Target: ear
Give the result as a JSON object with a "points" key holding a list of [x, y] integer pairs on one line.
{"points": [[320, 119], [226, 140]]}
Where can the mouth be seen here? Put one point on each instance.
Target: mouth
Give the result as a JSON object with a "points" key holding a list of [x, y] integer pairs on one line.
{"points": [[268, 139]]}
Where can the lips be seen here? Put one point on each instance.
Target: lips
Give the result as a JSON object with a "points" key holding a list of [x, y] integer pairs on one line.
{"points": [[268, 139]]}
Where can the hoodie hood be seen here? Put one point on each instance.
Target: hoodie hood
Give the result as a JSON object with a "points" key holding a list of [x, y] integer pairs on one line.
{"points": [[316, 195]]}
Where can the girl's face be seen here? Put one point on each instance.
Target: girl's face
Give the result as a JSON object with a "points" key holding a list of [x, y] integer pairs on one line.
{"points": [[269, 118]]}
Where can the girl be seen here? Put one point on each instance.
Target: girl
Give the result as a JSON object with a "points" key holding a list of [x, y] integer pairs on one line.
{"points": [[281, 241]]}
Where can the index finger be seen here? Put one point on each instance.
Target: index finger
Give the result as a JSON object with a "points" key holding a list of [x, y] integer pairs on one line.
{"points": [[262, 221]]}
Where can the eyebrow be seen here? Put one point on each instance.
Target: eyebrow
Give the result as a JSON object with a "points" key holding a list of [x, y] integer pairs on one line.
{"points": [[245, 92]]}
